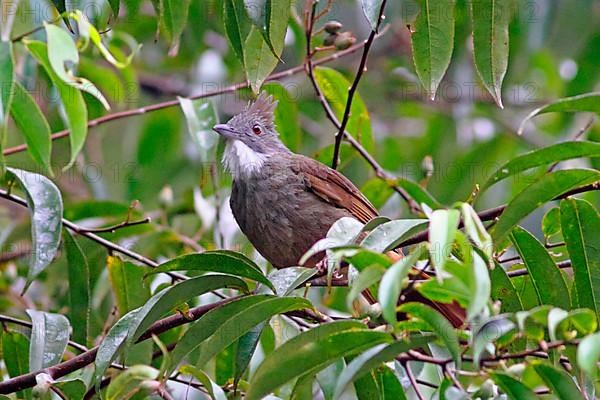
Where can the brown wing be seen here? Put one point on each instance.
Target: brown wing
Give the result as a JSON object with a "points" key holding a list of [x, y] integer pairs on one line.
{"points": [[334, 188]]}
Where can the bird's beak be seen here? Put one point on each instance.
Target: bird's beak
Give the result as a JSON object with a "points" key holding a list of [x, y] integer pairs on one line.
{"points": [[225, 131]]}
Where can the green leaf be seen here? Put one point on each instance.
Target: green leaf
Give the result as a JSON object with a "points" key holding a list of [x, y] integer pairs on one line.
{"points": [[417, 192], [392, 281], [7, 77], [270, 17], [368, 277], [220, 327], [112, 344], [559, 382], [62, 53], [513, 388], [438, 324], [546, 188], [215, 392], [581, 231], [126, 280], [237, 27], [432, 40], [588, 354], [488, 334], [258, 59], [584, 102], [114, 6], [542, 269], [246, 347], [371, 10], [132, 381], [374, 357], [476, 231], [49, 339], [310, 352], [390, 234], [45, 208], [504, 290], [286, 280], [442, 231], [223, 261], [173, 296], [15, 354], [286, 116], [62, 9], [173, 19], [540, 157], [33, 125], [79, 289], [479, 284], [551, 222], [201, 117], [490, 43], [335, 88], [72, 100]]}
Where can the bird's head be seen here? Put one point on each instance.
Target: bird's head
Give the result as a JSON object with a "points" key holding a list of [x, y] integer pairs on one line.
{"points": [[251, 138], [254, 127]]}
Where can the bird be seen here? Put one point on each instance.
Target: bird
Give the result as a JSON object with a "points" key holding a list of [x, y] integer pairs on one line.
{"points": [[285, 202]]}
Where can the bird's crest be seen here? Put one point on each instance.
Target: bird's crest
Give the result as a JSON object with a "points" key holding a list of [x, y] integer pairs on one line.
{"points": [[262, 109]]}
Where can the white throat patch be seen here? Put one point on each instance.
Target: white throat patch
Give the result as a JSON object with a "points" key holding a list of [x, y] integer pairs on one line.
{"points": [[241, 160]]}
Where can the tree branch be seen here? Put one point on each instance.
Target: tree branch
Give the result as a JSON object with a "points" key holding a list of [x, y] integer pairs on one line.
{"points": [[171, 103]]}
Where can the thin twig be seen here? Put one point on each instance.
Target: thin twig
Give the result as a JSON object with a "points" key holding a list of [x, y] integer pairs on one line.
{"points": [[413, 381], [116, 227], [362, 68]]}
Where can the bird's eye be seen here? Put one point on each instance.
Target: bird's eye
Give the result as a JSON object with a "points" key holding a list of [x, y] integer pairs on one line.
{"points": [[256, 129]]}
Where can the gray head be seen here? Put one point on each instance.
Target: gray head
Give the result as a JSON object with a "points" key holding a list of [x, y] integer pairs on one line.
{"points": [[254, 127]]}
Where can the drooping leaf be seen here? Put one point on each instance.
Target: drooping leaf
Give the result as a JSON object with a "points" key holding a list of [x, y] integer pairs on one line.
{"points": [[442, 231], [71, 98], [581, 229], [432, 40], [392, 281], [258, 59], [542, 269], [371, 9], [61, 7], [114, 6], [504, 290], [33, 125], [335, 88], [79, 289], [588, 354], [215, 391], [513, 388], [488, 334], [584, 102], [560, 383], [286, 280], [490, 43], [222, 326], [15, 354], [201, 117], [476, 231], [246, 347], [49, 338], [7, 77], [544, 189], [132, 381], [310, 352], [127, 282], [62, 53], [389, 234], [368, 277], [173, 16], [270, 18], [223, 261], [237, 26], [438, 324], [541, 157], [45, 208], [551, 222], [374, 357]]}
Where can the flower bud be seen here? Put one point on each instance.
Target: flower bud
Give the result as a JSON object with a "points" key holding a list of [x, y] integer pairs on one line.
{"points": [[329, 39], [344, 40], [333, 26]]}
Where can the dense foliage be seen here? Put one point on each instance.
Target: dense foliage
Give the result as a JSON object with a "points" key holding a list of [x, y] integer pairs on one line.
{"points": [[470, 124]]}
